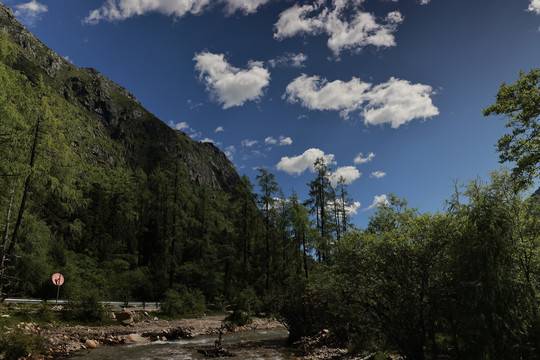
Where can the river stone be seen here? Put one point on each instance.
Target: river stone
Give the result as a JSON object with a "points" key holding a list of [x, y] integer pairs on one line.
{"points": [[125, 317], [136, 338], [91, 344]]}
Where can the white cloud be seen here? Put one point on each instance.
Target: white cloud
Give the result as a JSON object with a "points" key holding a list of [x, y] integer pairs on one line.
{"points": [[245, 6], [270, 141], [351, 209], [182, 126], [424, 2], [378, 199], [534, 6], [193, 104], [315, 93], [398, 102], [117, 10], [349, 173], [360, 159], [229, 85], [395, 102], [219, 129], [230, 151], [283, 141], [30, 13], [289, 60], [347, 27], [296, 165], [249, 143], [378, 174], [207, 140]]}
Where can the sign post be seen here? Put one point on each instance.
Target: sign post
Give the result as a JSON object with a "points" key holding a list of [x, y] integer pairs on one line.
{"points": [[58, 280]]}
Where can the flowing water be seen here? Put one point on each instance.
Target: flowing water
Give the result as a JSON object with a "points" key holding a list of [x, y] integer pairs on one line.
{"points": [[262, 344]]}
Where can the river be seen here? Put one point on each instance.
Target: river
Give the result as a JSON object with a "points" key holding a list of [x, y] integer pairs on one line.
{"points": [[260, 344]]}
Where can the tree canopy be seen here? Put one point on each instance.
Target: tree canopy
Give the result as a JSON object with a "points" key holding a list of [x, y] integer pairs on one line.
{"points": [[520, 103]]}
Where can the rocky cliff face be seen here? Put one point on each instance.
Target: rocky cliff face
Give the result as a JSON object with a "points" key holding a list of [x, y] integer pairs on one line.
{"points": [[126, 133]]}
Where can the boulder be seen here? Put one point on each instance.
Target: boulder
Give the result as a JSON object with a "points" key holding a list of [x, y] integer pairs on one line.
{"points": [[91, 344], [136, 338], [125, 317]]}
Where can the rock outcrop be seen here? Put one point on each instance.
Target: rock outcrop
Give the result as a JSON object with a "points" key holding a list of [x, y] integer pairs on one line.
{"points": [[123, 132]]}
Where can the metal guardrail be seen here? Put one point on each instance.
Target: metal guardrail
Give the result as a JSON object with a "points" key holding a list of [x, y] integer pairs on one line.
{"points": [[140, 304]]}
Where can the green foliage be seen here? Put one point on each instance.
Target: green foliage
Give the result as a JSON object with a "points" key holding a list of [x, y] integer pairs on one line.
{"points": [[186, 301], [462, 284], [17, 344], [239, 318], [85, 307], [520, 103]]}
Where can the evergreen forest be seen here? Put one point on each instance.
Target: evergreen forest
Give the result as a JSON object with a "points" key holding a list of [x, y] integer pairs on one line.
{"points": [[135, 224]]}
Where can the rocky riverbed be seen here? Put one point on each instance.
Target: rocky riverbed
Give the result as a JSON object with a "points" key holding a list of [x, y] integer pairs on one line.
{"points": [[142, 327], [63, 341]]}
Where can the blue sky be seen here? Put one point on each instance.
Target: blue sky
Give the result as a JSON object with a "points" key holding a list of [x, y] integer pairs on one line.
{"points": [[390, 92]]}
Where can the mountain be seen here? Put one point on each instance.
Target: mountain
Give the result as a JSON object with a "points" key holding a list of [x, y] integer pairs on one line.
{"points": [[123, 132], [96, 187]]}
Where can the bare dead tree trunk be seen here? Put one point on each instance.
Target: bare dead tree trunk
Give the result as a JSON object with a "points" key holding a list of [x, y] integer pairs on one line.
{"points": [[6, 238], [26, 188]]}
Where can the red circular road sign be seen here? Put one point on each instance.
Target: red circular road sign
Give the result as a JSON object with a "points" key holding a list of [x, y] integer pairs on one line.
{"points": [[57, 279]]}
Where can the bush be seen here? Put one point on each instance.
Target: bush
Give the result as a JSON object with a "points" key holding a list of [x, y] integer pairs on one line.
{"points": [[45, 313], [185, 302], [85, 307], [239, 317], [244, 304], [17, 344]]}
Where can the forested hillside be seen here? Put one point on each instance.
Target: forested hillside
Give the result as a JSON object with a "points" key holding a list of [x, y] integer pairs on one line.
{"points": [[94, 186]]}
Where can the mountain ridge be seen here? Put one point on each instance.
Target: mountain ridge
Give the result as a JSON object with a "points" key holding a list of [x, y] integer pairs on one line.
{"points": [[137, 137]]}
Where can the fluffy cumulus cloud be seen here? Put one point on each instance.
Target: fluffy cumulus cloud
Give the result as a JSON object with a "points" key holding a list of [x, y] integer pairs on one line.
{"points": [[117, 10], [351, 209], [296, 165], [283, 141], [349, 173], [347, 26], [378, 199], [30, 13], [219, 129], [289, 60], [395, 102], [315, 93], [361, 159], [229, 85], [270, 141], [534, 6], [398, 102], [378, 174]]}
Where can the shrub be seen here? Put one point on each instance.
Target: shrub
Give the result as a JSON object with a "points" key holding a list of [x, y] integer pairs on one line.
{"points": [[184, 302], [85, 307], [17, 344], [45, 313], [244, 303]]}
